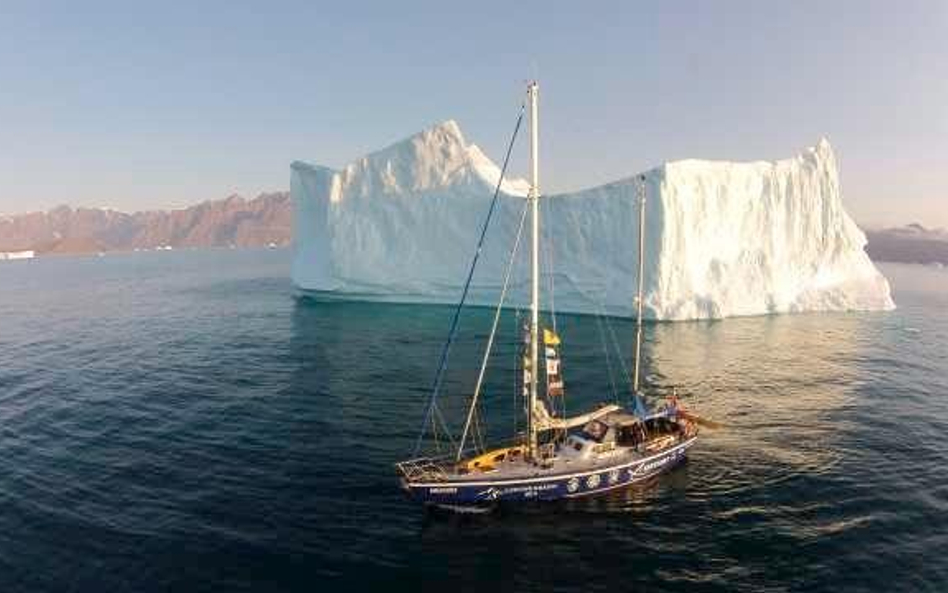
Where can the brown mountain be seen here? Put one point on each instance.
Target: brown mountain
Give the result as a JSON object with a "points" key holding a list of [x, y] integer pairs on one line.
{"points": [[220, 223]]}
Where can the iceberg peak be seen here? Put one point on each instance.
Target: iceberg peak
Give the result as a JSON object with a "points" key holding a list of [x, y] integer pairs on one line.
{"points": [[435, 158], [448, 129], [823, 151]]}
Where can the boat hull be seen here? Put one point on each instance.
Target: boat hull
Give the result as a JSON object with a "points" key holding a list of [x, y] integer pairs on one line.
{"points": [[552, 486]]}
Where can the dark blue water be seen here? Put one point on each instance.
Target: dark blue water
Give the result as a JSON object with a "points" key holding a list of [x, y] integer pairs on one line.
{"points": [[183, 422]]}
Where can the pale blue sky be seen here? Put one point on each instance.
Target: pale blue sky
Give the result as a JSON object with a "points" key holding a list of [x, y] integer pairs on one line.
{"points": [[161, 104]]}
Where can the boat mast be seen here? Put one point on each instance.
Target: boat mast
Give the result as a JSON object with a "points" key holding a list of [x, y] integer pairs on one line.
{"points": [[534, 197], [638, 296]]}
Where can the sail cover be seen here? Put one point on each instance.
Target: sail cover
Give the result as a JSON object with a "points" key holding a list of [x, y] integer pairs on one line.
{"points": [[544, 421]]}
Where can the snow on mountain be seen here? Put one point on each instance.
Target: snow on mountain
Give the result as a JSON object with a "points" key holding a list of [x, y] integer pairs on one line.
{"points": [[722, 238]]}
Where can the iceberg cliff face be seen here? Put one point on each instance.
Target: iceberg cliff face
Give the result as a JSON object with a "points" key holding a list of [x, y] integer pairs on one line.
{"points": [[722, 238]]}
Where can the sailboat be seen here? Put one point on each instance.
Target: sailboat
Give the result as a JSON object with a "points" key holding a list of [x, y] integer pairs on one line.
{"points": [[556, 457]]}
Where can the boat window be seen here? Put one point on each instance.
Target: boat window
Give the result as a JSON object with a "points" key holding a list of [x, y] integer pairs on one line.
{"points": [[595, 430], [661, 426], [578, 445]]}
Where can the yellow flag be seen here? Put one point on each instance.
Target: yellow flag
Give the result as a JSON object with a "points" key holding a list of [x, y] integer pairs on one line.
{"points": [[550, 338]]}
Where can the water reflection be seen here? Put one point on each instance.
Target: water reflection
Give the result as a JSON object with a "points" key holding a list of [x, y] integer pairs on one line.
{"points": [[782, 385]]}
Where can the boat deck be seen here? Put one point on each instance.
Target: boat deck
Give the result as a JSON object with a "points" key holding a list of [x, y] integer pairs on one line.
{"points": [[519, 468]]}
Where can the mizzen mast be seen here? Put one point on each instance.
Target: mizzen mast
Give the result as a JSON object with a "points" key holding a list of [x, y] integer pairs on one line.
{"points": [[638, 294]]}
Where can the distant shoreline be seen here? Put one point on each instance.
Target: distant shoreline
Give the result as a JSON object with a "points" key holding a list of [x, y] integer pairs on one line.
{"points": [[115, 252]]}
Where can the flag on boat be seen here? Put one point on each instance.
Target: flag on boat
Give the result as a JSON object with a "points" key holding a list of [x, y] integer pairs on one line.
{"points": [[527, 376], [550, 338], [554, 377]]}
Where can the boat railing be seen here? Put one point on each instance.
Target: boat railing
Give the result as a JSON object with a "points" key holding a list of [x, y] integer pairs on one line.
{"points": [[440, 467], [424, 469]]}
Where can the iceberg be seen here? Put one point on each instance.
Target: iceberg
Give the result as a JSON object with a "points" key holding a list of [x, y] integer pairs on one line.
{"points": [[722, 238]]}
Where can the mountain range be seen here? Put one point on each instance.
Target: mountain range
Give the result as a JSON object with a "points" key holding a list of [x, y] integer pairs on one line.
{"points": [[912, 243], [267, 219], [234, 221]]}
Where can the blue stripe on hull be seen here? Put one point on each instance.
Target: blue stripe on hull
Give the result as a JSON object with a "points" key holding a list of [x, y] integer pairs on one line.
{"points": [[552, 488]]}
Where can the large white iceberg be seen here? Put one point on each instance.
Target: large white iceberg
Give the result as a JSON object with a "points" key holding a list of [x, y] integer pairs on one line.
{"points": [[722, 238]]}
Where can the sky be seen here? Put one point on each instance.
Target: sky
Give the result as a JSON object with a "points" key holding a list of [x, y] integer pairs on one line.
{"points": [[135, 105]]}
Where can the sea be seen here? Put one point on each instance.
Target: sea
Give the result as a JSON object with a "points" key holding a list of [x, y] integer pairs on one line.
{"points": [[188, 421]]}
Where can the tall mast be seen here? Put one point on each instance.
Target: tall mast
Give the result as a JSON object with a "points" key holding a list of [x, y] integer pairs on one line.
{"points": [[638, 296], [534, 197]]}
